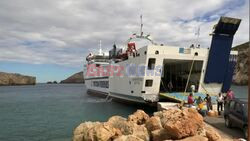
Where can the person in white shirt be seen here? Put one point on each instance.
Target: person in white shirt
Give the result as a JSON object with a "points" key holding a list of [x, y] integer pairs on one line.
{"points": [[192, 88], [220, 101]]}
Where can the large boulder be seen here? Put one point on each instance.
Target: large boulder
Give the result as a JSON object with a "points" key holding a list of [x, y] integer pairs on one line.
{"points": [[129, 127], [139, 117], [153, 123], [102, 132], [141, 132], [212, 135], [82, 130], [128, 138], [122, 124], [160, 135], [181, 123], [195, 138], [171, 124]]}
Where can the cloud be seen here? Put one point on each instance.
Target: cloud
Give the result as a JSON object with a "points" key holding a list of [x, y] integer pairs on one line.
{"points": [[64, 31]]}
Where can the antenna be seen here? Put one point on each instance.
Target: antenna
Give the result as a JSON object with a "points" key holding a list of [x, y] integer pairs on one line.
{"points": [[198, 35], [100, 47], [141, 26]]}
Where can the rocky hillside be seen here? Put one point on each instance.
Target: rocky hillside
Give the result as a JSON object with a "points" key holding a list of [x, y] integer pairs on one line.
{"points": [[76, 78], [172, 124], [241, 70], [16, 79]]}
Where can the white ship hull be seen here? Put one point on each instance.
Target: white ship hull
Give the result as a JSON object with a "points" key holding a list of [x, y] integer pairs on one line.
{"points": [[91, 88], [158, 65], [133, 87]]}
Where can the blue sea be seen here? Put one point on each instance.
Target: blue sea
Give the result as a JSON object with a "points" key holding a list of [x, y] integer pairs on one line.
{"points": [[50, 112]]}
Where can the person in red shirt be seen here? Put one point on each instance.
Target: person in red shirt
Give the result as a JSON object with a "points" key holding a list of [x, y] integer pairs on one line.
{"points": [[190, 99]]}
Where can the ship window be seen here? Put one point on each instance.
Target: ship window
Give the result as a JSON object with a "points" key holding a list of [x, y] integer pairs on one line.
{"points": [[102, 84], [232, 103], [151, 63], [96, 83], [97, 65], [156, 52], [149, 83], [145, 52], [196, 54]]}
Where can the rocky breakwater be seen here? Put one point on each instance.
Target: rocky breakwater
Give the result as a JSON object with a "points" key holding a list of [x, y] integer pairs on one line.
{"points": [[16, 79], [172, 124]]}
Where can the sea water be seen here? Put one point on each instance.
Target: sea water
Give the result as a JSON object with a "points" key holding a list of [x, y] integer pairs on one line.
{"points": [[50, 112]]}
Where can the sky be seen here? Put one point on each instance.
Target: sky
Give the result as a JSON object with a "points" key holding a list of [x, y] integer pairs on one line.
{"points": [[50, 39]]}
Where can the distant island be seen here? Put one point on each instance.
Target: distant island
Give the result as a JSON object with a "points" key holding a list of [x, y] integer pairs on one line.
{"points": [[7, 79], [241, 69], [52, 82], [75, 78]]}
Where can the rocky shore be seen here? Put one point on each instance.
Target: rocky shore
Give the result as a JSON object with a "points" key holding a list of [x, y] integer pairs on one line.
{"points": [[241, 70], [7, 79], [75, 78], [173, 124]]}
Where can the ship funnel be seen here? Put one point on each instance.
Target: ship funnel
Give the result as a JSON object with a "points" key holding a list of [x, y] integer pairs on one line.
{"points": [[219, 53]]}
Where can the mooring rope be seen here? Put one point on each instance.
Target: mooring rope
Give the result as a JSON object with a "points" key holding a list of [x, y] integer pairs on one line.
{"points": [[190, 72]]}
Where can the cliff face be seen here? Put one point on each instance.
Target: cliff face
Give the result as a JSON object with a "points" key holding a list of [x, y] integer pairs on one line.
{"points": [[16, 79], [241, 70], [76, 78]]}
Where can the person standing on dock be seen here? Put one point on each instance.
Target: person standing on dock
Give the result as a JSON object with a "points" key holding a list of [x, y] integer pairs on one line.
{"points": [[200, 107], [220, 101], [208, 99], [230, 95], [192, 88], [199, 100], [190, 100]]}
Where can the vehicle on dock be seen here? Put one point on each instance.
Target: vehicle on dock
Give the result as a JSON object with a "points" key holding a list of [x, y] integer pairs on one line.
{"points": [[236, 114], [153, 72]]}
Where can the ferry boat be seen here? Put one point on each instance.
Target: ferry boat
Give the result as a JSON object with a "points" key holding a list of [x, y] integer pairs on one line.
{"points": [[156, 72]]}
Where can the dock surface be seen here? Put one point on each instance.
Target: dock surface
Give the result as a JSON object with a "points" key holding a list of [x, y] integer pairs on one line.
{"points": [[219, 124]]}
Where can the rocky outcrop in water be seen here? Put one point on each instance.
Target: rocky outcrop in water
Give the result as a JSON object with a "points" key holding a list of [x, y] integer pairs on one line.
{"points": [[16, 79], [52, 82], [76, 78], [241, 70], [172, 124]]}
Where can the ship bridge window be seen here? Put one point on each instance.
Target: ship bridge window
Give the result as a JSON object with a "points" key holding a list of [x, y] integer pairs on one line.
{"points": [[151, 63], [149, 83]]}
